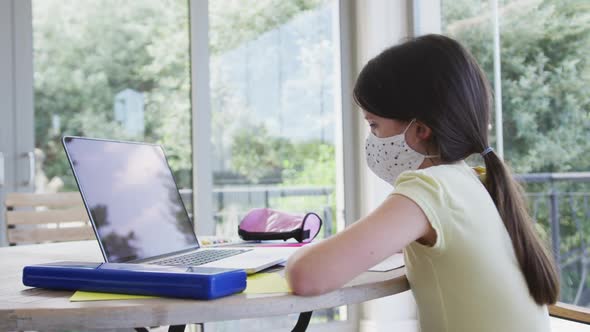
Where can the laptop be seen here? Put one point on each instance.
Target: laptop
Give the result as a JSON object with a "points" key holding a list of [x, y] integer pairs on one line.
{"points": [[137, 212]]}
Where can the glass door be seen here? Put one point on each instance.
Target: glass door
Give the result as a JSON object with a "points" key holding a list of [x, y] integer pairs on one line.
{"points": [[110, 69], [275, 101]]}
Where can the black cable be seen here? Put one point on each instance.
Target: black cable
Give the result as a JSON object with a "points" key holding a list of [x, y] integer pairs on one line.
{"points": [[302, 322]]}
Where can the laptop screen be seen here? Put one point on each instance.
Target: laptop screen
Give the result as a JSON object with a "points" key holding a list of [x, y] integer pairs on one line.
{"points": [[132, 198]]}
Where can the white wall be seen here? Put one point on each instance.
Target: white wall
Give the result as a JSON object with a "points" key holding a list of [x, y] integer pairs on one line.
{"points": [[380, 24]]}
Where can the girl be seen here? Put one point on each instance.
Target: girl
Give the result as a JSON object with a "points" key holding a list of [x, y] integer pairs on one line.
{"points": [[473, 259]]}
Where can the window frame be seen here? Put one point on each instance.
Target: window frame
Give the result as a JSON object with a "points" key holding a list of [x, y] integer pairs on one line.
{"points": [[201, 117], [16, 100]]}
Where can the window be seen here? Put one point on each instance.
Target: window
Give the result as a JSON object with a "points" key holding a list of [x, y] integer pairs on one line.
{"points": [[273, 77], [544, 70], [273, 108], [110, 69]]}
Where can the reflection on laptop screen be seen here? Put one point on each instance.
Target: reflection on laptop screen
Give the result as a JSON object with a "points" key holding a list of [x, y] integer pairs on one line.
{"points": [[132, 197]]}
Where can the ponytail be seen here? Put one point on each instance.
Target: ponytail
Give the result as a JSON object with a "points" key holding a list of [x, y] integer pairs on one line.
{"points": [[535, 261]]}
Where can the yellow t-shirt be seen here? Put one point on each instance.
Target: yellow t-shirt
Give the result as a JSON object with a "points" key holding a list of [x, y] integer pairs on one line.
{"points": [[470, 280]]}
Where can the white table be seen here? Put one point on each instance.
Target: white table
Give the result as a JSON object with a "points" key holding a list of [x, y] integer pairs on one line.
{"points": [[24, 308]]}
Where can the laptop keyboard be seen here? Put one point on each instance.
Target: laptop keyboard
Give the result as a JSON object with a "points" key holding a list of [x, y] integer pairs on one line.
{"points": [[200, 257]]}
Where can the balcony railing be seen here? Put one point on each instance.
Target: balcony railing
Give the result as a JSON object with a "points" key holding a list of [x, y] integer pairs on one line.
{"points": [[559, 202]]}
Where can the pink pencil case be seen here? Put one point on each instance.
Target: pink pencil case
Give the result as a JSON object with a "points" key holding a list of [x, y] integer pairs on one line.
{"points": [[269, 224]]}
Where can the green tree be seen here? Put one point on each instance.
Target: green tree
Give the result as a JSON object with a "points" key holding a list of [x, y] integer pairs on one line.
{"points": [[256, 155], [316, 164]]}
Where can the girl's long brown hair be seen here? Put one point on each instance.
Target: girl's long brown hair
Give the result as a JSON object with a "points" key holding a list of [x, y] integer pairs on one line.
{"points": [[435, 80]]}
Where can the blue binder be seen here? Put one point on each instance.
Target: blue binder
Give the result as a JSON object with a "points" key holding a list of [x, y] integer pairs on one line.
{"points": [[173, 281]]}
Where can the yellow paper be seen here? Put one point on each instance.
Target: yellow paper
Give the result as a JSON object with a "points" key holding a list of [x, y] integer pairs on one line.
{"points": [[81, 296], [261, 283]]}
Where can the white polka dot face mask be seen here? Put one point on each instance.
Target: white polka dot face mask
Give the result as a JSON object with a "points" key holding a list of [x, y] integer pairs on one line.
{"points": [[388, 157]]}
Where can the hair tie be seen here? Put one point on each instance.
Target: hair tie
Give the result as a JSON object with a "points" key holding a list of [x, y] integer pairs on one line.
{"points": [[486, 151]]}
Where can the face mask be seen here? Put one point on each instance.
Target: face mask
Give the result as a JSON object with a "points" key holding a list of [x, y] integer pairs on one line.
{"points": [[390, 156]]}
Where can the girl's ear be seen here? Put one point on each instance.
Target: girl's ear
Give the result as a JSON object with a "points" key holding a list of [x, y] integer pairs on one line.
{"points": [[423, 132]]}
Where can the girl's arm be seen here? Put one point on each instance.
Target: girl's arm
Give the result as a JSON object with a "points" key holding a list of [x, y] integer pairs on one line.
{"points": [[331, 263]]}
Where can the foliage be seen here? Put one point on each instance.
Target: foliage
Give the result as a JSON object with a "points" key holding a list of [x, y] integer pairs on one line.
{"points": [[256, 154], [316, 164], [235, 22], [545, 67], [97, 49]]}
